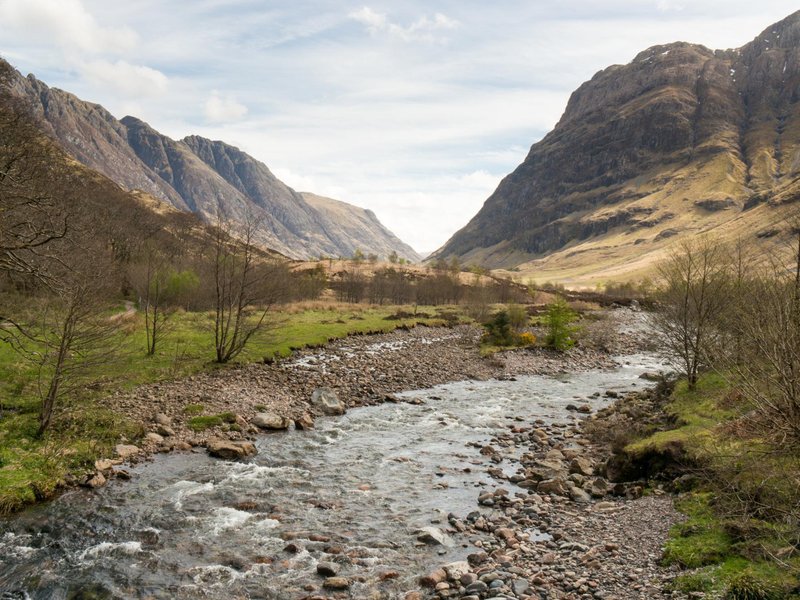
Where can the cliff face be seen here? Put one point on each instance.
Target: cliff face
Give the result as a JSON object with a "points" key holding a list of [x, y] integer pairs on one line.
{"points": [[202, 176], [681, 139]]}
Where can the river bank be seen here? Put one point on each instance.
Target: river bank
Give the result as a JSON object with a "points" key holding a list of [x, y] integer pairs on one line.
{"points": [[360, 370], [360, 500]]}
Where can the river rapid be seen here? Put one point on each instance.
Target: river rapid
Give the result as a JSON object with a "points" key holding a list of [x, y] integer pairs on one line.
{"points": [[353, 492]]}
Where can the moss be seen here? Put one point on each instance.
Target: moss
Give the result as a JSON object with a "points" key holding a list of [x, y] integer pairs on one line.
{"points": [[193, 409], [204, 422], [700, 540]]}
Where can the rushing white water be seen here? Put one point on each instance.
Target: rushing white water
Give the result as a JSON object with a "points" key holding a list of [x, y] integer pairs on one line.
{"points": [[352, 492]]}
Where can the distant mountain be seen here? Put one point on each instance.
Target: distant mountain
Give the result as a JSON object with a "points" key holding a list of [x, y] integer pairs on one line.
{"points": [[352, 228], [681, 140], [203, 176]]}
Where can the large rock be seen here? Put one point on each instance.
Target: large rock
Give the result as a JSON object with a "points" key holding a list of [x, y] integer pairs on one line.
{"points": [[125, 451], [553, 486], [305, 421], [271, 421], [327, 402], [581, 466], [433, 535], [230, 450]]}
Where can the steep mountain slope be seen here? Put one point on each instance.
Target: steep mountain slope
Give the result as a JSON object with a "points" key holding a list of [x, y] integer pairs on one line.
{"points": [[351, 226], [683, 139], [198, 175]]}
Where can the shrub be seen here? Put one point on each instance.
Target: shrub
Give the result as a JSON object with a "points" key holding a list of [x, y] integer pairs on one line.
{"points": [[747, 587], [498, 330], [558, 320], [527, 339]]}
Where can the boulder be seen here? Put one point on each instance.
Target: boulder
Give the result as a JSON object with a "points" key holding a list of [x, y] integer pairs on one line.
{"points": [[104, 464], [162, 419], [271, 421], [336, 583], [433, 535], [581, 466], [327, 402], [165, 431], [154, 438], [230, 450], [305, 422], [94, 480], [552, 486], [327, 569], [455, 570], [125, 451]]}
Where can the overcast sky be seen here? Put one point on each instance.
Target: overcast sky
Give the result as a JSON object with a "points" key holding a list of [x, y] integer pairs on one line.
{"points": [[415, 110]]}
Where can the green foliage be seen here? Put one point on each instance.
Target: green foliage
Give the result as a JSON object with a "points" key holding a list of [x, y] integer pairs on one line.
{"points": [[745, 586], [204, 422], [499, 331], [517, 317], [558, 320], [193, 409], [700, 540]]}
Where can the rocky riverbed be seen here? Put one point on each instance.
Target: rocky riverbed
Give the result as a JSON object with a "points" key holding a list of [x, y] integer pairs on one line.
{"points": [[360, 370], [552, 526]]}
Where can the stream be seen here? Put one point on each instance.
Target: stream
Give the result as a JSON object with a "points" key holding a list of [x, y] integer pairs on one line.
{"points": [[352, 492]]}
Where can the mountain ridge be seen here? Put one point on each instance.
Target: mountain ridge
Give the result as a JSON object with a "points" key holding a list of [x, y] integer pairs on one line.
{"points": [[209, 178], [680, 140]]}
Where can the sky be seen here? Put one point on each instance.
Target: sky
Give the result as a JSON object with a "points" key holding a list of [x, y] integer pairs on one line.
{"points": [[415, 110]]}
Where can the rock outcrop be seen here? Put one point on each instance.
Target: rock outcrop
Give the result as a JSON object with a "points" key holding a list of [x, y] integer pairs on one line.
{"points": [[205, 177], [681, 139]]}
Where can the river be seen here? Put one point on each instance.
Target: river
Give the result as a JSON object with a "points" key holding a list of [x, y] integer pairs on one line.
{"points": [[352, 492]]}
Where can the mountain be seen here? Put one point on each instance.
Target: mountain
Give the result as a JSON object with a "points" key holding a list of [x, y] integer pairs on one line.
{"points": [[202, 176], [357, 228], [681, 140]]}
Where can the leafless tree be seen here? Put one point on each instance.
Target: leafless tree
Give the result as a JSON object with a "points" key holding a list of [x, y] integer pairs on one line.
{"points": [[247, 284], [695, 289], [29, 217], [161, 288], [768, 321]]}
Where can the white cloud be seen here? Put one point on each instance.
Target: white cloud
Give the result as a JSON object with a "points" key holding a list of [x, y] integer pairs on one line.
{"points": [[124, 79], [426, 29], [224, 109], [66, 23], [373, 21]]}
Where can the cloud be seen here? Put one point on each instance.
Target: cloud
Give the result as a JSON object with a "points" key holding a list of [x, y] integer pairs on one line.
{"points": [[66, 23], [426, 29], [223, 109], [124, 79]]}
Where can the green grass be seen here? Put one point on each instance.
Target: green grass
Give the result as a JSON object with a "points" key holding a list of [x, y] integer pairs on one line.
{"points": [[83, 430], [718, 560], [204, 422], [697, 414], [725, 554]]}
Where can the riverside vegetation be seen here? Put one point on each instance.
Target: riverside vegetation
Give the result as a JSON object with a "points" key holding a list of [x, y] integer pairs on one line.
{"points": [[728, 437]]}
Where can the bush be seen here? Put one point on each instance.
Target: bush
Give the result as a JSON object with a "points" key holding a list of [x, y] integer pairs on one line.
{"points": [[747, 587], [499, 331], [558, 320]]}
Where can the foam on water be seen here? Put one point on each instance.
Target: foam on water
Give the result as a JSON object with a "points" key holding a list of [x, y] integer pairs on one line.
{"points": [[106, 548]]}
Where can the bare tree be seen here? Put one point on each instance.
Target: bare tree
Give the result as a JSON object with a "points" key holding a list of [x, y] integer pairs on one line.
{"points": [[161, 288], [695, 290], [247, 284], [29, 218], [768, 373], [65, 329]]}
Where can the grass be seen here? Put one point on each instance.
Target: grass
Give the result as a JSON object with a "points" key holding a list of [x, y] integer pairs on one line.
{"points": [[726, 554], [697, 415], [32, 469], [719, 566]]}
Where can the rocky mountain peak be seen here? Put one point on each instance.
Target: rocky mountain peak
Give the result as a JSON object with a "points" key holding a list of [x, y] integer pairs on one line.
{"points": [[680, 139]]}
